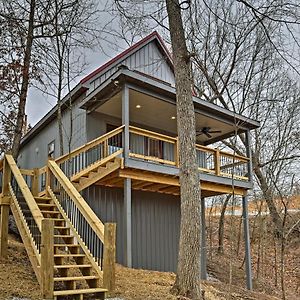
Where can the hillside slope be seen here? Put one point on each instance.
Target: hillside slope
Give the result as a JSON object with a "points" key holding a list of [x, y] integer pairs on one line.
{"points": [[17, 279]]}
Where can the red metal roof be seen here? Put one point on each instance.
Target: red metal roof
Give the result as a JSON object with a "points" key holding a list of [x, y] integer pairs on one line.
{"points": [[131, 49]]}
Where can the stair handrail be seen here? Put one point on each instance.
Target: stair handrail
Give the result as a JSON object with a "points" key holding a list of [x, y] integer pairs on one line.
{"points": [[88, 145], [32, 205], [79, 201]]}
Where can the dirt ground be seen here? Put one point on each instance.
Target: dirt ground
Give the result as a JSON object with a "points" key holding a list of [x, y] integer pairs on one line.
{"points": [[17, 279]]}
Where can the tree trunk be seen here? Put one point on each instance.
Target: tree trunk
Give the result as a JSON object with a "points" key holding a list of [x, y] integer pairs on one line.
{"points": [[25, 83], [221, 225], [187, 281]]}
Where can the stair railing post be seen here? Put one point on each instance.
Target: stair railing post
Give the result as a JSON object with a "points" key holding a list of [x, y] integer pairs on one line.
{"points": [[48, 177], [4, 203], [109, 257], [47, 259], [217, 162], [35, 182]]}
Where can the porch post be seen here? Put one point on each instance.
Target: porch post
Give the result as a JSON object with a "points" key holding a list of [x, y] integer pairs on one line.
{"points": [[127, 222], [203, 241], [125, 120], [247, 242]]}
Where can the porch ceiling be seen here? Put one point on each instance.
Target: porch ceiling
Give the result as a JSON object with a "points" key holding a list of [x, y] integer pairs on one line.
{"points": [[158, 115]]}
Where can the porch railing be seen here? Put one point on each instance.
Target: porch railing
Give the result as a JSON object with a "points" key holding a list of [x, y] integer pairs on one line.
{"points": [[155, 147]]}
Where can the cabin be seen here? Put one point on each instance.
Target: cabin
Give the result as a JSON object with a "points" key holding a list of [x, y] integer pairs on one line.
{"points": [[120, 159]]}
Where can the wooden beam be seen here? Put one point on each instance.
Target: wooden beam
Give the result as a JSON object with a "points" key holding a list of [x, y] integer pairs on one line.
{"points": [[26, 172], [47, 259], [109, 257], [217, 162], [155, 178], [4, 231], [152, 158], [108, 178], [221, 189]]}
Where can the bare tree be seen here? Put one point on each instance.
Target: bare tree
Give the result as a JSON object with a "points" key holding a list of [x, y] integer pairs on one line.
{"points": [[37, 24], [188, 270]]}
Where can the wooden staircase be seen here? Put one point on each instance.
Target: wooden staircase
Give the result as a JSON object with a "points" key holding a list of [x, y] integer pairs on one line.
{"points": [[73, 267], [62, 236]]}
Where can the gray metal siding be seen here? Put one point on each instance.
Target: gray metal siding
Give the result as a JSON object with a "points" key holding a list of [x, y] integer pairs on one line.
{"points": [[35, 153], [108, 204], [148, 60], [155, 231], [155, 225], [96, 124]]}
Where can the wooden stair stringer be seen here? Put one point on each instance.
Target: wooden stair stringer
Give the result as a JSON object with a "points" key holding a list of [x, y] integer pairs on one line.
{"points": [[96, 165], [76, 235], [27, 239], [102, 173]]}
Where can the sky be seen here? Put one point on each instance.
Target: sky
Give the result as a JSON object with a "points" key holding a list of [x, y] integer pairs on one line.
{"points": [[38, 104]]}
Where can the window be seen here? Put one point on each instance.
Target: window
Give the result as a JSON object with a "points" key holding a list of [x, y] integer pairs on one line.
{"points": [[51, 149]]}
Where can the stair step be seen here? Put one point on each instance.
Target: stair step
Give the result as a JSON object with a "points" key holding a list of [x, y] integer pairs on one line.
{"points": [[61, 227], [63, 236], [72, 266], [67, 245], [47, 205], [69, 255], [42, 199], [78, 292], [75, 278], [50, 212]]}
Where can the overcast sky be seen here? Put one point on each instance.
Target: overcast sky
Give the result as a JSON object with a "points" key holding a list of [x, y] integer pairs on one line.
{"points": [[39, 104]]}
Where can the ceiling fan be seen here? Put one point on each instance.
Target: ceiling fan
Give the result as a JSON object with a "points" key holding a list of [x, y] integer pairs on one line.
{"points": [[207, 131]]}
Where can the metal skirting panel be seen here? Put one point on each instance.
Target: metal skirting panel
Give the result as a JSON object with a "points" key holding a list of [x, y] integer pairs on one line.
{"points": [[155, 231], [107, 203], [155, 225]]}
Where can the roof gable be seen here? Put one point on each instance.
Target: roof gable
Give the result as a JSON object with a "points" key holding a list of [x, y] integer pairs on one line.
{"points": [[149, 56]]}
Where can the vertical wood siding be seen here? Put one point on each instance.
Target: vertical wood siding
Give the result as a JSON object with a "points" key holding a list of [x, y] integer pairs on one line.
{"points": [[147, 60]]}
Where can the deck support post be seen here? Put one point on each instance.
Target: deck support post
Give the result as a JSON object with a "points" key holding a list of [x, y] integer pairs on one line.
{"points": [[125, 120], [203, 242], [247, 243], [109, 257], [47, 258], [127, 222], [4, 204]]}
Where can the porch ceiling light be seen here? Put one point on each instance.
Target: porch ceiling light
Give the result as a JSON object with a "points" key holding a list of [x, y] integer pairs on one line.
{"points": [[138, 106], [173, 118]]}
